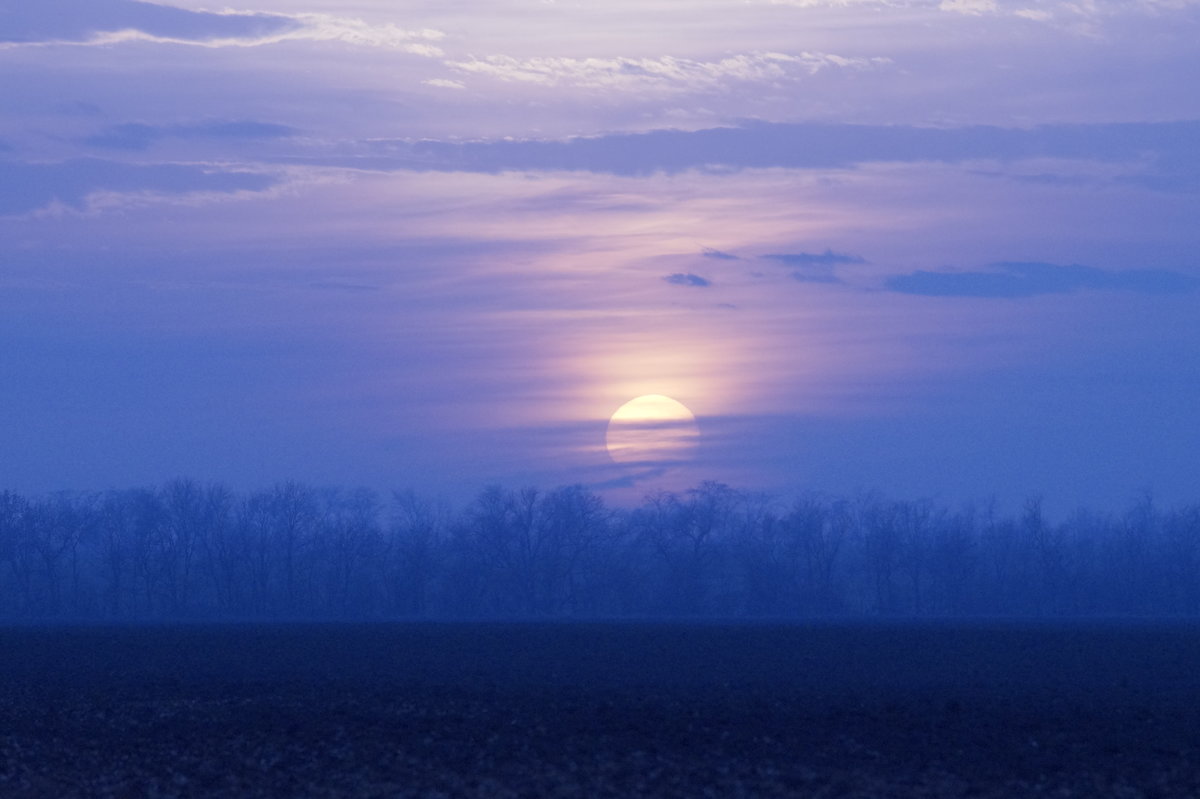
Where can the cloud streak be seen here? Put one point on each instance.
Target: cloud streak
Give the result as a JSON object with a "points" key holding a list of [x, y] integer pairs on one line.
{"points": [[1041, 11], [138, 136], [109, 22], [810, 267], [687, 279], [1153, 148], [31, 187], [664, 73], [827, 258], [1030, 279]]}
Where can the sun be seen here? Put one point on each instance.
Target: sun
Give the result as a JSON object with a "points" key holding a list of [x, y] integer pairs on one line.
{"points": [[652, 430]]}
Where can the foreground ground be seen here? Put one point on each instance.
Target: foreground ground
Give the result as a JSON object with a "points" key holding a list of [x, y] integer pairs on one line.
{"points": [[998, 709]]}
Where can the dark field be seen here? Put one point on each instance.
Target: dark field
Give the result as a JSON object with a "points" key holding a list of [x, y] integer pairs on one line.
{"points": [[602, 710]]}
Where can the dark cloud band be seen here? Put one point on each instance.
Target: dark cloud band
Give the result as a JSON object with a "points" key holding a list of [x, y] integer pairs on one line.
{"points": [[28, 187], [1029, 279], [687, 279]]}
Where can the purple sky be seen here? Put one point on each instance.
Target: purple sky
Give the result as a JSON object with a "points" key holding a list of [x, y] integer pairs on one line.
{"points": [[943, 250]]}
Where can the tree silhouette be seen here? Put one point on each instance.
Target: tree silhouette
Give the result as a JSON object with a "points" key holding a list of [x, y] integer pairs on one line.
{"points": [[188, 550]]}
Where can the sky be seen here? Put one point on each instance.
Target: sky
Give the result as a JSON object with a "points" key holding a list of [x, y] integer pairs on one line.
{"points": [[942, 250]]}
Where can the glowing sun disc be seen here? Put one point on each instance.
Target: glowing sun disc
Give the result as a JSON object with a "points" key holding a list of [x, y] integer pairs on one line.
{"points": [[652, 429]]}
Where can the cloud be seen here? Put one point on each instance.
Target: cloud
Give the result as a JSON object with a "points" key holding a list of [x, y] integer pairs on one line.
{"points": [[827, 258], [1162, 149], [1170, 171], [833, 3], [815, 276], [136, 136], [973, 7], [30, 187], [709, 252], [815, 267], [78, 21], [1078, 7], [688, 279], [1077, 15], [445, 83], [327, 27], [631, 480], [665, 73], [108, 22], [1029, 279]]}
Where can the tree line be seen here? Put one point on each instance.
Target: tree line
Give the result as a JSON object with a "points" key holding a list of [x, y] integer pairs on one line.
{"points": [[187, 550]]}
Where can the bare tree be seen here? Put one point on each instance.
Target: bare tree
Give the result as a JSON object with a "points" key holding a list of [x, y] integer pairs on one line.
{"points": [[16, 553], [684, 530], [882, 540], [818, 529], [415, 546], [952, 562], [55, 530], [572, 522], [349, 539], [292, 510], [915, 521], [1181, 552]]}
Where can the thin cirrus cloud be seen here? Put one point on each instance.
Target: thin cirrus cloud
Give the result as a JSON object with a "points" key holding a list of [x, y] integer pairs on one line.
{"points": [[809, 267], [30, 187], [81, 21], [666, 72], [1063, 10], [688, 279], [138, 136], [106, 22], [1040, 11], [1029, 279], [445, 83], [827, 258], [1161, 152], [972, 7], [710, 252]]}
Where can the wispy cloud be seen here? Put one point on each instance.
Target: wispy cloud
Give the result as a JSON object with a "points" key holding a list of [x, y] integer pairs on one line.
{"points": [[664, 73], [827, 258], [1029, 279], [74, 184], [1079, 16], [109, 22], [1034, 14], [1069, 14], [709, 252], [968, 6], [687, 279], [815, 276], [837, 3], [82, 21], [137, 136], [1152, 150], [819, 267]]}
